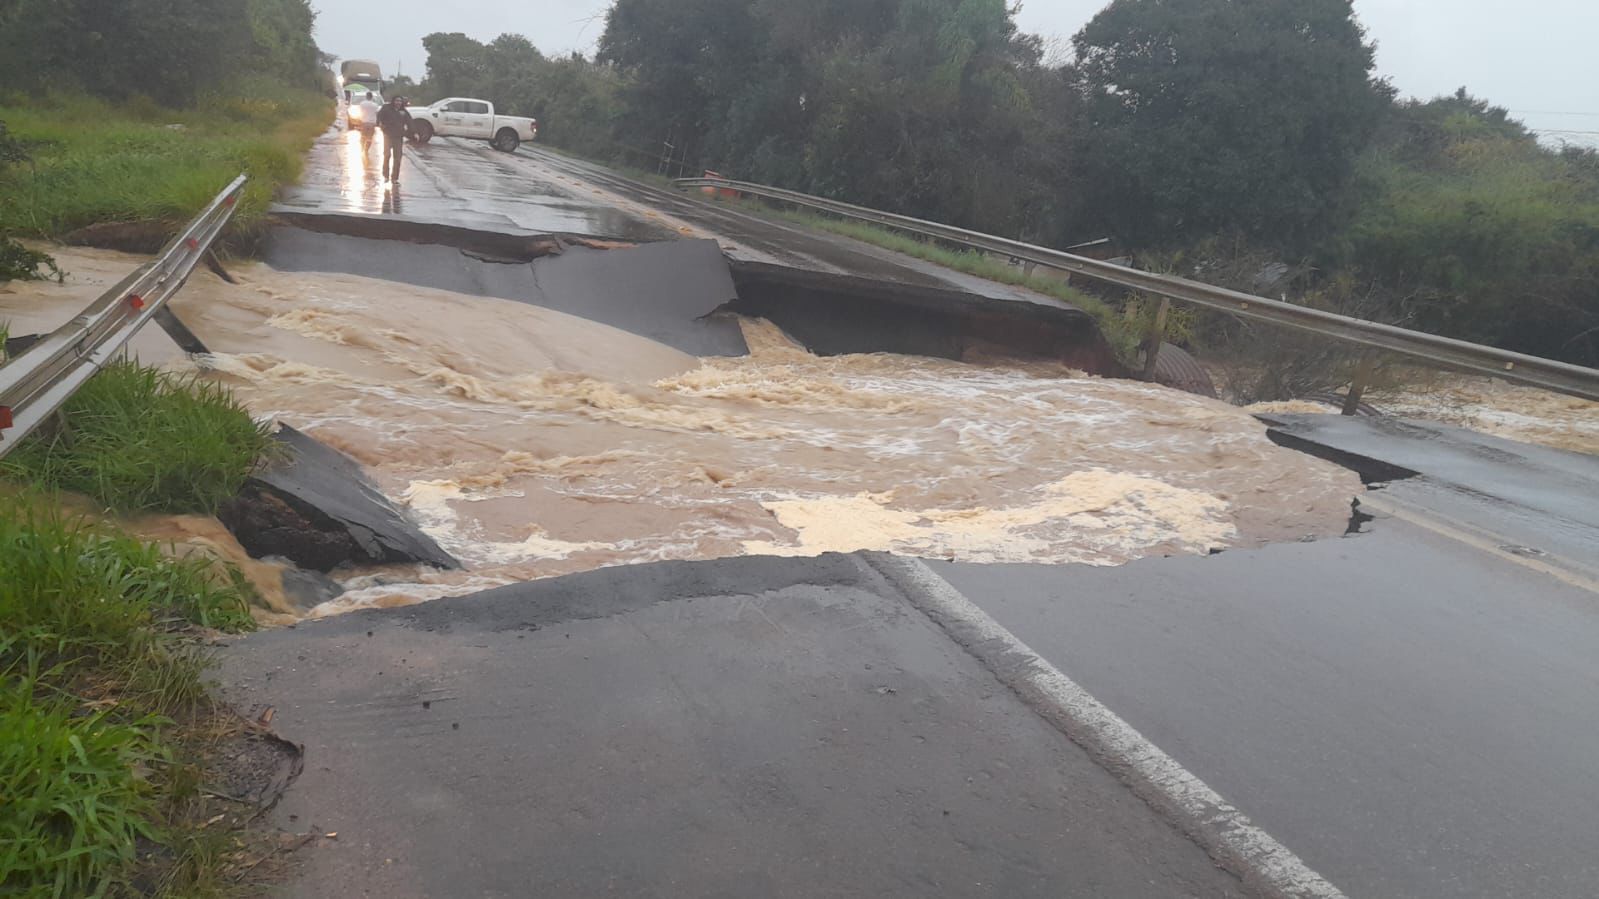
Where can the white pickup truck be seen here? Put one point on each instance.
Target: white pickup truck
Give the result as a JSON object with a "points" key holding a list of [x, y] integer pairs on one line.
{"points": [[465, 117]]}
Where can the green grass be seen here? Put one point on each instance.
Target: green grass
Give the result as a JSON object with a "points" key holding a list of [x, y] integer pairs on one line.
{"points": [[96, 162], [96, 681], [75, 807], [75, 593], [1123, 331], [139, 440]]}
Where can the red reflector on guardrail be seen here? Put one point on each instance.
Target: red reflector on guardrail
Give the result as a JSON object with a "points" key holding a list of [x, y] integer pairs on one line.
{"points": [[230, 201], [136, 301], [5, 417]]}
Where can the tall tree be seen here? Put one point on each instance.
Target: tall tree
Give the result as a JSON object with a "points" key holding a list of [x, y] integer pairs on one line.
{"points": [[457, 64], [1241, 116]]}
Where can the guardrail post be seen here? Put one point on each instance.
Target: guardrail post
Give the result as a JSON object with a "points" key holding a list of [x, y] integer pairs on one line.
{"points": [[1156, 337], [1357, 387]]}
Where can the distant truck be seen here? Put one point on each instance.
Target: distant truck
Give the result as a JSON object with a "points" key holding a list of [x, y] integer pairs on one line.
{"points": [[475, 119], [361, 71]]}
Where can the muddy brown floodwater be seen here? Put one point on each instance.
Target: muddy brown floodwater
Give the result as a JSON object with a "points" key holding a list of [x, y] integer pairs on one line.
{"points": [[531, 443]]}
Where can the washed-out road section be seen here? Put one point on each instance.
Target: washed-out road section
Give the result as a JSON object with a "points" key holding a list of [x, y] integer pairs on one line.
{"points": [[1408, 709]]}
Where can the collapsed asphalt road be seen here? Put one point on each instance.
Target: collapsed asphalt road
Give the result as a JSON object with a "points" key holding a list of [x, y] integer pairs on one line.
{"points": [[1406, 709]]}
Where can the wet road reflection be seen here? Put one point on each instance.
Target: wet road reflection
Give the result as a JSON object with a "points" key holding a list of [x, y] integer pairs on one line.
{"points": [[362, 171], [461, 183]]}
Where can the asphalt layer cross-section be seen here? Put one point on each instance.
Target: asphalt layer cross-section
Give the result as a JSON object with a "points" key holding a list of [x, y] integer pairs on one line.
{"points": [[753, 727]]}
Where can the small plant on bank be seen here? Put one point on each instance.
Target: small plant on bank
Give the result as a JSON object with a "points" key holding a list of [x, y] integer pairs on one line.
{"points": [[17, 262], [140, 440]]}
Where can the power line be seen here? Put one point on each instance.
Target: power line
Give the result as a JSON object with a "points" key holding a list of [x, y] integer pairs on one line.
{"points": [[1550, 112]]}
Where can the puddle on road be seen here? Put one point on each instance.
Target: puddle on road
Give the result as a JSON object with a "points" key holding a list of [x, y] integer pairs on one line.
{"points": [[531, 443]]}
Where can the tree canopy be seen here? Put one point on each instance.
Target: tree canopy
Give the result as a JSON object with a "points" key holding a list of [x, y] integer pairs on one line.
{"points": [[168, 50], [1223, 115]]}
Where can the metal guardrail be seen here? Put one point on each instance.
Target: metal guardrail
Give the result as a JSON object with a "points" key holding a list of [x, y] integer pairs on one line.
{"points": [[36, 383], [1561, 377]]}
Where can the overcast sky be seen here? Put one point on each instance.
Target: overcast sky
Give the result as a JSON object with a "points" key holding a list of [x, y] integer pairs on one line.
{"points": [[1538, 57]]}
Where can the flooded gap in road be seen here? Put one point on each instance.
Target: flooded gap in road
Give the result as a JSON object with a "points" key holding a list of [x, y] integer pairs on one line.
{"points": [[531, 443]]}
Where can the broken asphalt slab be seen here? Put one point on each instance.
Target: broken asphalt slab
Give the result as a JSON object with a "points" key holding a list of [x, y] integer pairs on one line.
{"points": [[662, 291], [316, 507], [1522, 497], [754, 726]]}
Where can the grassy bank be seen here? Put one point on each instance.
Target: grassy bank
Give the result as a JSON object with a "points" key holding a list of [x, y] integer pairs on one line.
{"points": [[107, 725], [103, 709], [94, 162], [138, 440]]}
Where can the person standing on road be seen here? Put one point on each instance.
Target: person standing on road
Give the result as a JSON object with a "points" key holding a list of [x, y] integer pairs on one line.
{"points": [[369, 121], [395, 122]]}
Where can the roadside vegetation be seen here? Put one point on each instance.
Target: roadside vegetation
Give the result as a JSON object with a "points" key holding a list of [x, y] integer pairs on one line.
{"points": [[138, 114], [105, 715], [131, 116], [1219, 139], [139, 440], [108, 727], [94, 161]]}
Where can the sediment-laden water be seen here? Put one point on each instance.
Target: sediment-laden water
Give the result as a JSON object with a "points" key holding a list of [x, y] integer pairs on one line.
{"points": [[531, 443]]}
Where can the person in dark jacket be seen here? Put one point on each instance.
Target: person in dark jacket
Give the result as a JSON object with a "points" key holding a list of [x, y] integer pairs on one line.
{"points": [[394, 121]]}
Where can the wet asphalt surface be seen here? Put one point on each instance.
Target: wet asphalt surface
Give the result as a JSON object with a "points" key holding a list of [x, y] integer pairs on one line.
{"points": [[537, 191], [755, 727], [1409, 709]]}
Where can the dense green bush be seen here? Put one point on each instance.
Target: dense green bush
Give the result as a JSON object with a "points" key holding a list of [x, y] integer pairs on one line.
{"points": [[1477, 231], [170, 50]]}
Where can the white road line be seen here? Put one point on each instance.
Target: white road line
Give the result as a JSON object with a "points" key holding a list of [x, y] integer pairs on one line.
{"points": [[1223, 831], [1561, 569]]}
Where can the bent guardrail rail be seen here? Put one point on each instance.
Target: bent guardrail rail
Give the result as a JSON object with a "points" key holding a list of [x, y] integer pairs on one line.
{"points": [[1561, 377], [36, 383]]}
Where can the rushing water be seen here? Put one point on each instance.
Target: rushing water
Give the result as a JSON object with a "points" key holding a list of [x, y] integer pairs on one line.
{"points": [[531, 443]]}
